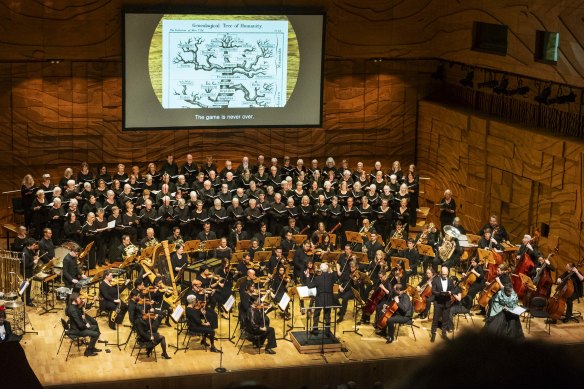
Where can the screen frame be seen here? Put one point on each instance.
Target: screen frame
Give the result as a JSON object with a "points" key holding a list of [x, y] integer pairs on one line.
{"points": [[223, 11]]}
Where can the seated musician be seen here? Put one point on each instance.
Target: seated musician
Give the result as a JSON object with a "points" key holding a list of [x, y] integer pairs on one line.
{"points": [[377, 265], [276, 260], [346, 283], [403, 314], [262, 235], [411, 253], [319, 234], [223, 251], [243, 266], [6, 334], [258, 323], [254, 247], [71, 273], [279, 286], [503, 278], [135, 309], [81, 324], [498, 231], [477, 286], [206, 235], [197, 321], [426, 282], [149, 239], [288, 244], [209, 281], [456, 224], [500, 321], [176, 236], [574, 274], [372, 245], [457, 306], [543, 270], [383, 284], [109, 292], [147, 332], [290, 227], [488, 241]]}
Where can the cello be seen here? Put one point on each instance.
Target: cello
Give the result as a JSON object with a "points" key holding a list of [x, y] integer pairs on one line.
{"points": [[388, 312], [524, 266], [543, 279], [420, 304], [374, 298], [556, 305], [467, 281]]}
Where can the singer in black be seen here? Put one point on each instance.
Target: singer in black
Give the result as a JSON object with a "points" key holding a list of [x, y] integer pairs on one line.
{"points": [[442, 288], [447, 209], [323, 283]]}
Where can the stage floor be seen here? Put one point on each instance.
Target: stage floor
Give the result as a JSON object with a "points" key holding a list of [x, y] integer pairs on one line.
{"points": [[51, 369]]}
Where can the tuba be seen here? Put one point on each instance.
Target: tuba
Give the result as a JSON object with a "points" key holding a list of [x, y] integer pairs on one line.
{"points": [[448, 245]]}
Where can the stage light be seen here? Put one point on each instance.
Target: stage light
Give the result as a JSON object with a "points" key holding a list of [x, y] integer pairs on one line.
{"points": [[468, 80], [439, 73], [544, 95]]}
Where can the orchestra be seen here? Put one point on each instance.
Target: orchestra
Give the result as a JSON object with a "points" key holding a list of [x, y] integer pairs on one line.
{"points": [[200, 238]]}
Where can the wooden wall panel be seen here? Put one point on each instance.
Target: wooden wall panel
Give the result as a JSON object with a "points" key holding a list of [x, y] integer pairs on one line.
{"points": [[525, 177]]}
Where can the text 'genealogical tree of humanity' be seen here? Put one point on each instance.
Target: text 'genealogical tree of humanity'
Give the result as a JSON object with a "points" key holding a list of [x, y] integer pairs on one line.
{"points": [[224, 63]]}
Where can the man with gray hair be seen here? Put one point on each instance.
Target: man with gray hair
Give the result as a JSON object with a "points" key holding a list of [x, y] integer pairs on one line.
{"points": [[323, 282]]}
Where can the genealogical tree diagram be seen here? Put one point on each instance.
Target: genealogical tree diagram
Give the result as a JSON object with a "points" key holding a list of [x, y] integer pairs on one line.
{"points": [[224, 64]]}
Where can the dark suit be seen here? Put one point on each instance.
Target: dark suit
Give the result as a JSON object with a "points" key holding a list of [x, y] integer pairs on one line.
{"points": [[82, 325], [442, 303], [9, 335], [324, 298], [70, 270]]}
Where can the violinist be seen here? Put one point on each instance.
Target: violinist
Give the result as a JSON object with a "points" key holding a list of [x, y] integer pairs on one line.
{"points": [[244, 265], [210, 281], [499, 232], [378, 265], [372, 246], [301, 257], [250, 280], [82, 325], [383, 283], [402, 315], [477, 286], [109, 293], [346, 283], [135, 309], [258, 323], [197, 321], [276, 260], [226, 274], [442, 288], [323, 282], [426, 282], [574, 274], [411, 253], [148, 333], [279, 286]]}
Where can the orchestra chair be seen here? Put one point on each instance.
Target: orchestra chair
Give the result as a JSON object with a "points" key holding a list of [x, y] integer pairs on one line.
{"points": [[187, 339], [132, 331], [71, 337], [409, 323], [457, 316], [536, 310], [138, 344], [246, 334]]}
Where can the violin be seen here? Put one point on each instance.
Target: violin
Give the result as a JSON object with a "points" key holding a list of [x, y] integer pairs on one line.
{"points": [[149, 316], [144, 301]]}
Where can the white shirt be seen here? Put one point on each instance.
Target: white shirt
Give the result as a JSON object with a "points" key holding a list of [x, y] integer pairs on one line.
{"points": [[444, 284], [2, 332]]}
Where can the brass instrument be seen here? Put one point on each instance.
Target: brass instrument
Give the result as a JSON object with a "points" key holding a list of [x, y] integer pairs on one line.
{"points": [[130, 253], [152, 242], [423, 239], [448, 245]]}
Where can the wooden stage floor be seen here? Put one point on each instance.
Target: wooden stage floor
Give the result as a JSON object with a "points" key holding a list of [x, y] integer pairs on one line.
{"points": [[52, 370]]}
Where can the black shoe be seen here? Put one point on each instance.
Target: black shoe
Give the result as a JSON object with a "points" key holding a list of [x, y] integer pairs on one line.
{"points": [[551, 321], [389, 340], [204, 342], [148, 352], [328, 334], [566, 319], [89, 353], [445, 336], [165, 356], [433, 337], [422, 316], [215, 350], [340, 318], [270, 351], [96, 350], [314, 332], [31, 304]]}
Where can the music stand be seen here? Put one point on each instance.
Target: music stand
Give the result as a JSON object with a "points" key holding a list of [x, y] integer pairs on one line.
{"points": [[191, 246], [292, 292], [486, 257], [299, 239], [354, 238], [261, 256], [271, 242], [473, 239], [238, 256], [395, 260], [362, 258], [356, 300], [398, 244], [212, 244], [242, 245], [330, 257], [425, 250]]}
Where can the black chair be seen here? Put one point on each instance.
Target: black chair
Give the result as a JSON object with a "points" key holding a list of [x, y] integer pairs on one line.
{"points": [[17, 207], [140, 345], [247, 334], [73, 338], [536, 310], [189, 335], [409, 323]]}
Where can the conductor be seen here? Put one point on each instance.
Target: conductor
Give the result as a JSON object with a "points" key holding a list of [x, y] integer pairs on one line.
{"points": [[323, 283]]}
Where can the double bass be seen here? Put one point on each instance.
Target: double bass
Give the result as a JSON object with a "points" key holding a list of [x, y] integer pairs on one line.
{"points": [[524, 266], [543, 279], [556, 305]]}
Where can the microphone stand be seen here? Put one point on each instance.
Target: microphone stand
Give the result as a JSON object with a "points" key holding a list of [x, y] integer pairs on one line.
{"points": [[221, 369], [25, 318]]}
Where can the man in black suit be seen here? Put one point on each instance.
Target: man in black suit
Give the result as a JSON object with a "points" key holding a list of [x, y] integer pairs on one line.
{"points": [[6, 334], [82, 324], [71, 274], [323, 283], [442, 288]]}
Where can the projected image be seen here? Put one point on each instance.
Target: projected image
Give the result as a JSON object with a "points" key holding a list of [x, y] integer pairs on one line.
{"points": [[223, 63]]}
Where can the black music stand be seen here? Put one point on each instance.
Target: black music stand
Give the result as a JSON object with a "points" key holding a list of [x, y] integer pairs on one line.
{"points": [[356, 300], [228, 310]]}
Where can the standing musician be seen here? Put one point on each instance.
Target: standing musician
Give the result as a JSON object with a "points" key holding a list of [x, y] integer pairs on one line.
{"points": [[81, 324], [197, 321], [372, 246], [346, 284], [31, 259], [527, 248], [442, 288], [147, 331], [383, 284], [323, 283], [402, 315], [71, 273], [574, 274], [258, 323]]}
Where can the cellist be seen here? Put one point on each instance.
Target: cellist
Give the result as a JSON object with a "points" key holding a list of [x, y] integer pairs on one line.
{"points": [[402, 315], [544, 268], [384, 285], [426, 282], [577, 278], [477, 286]]}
